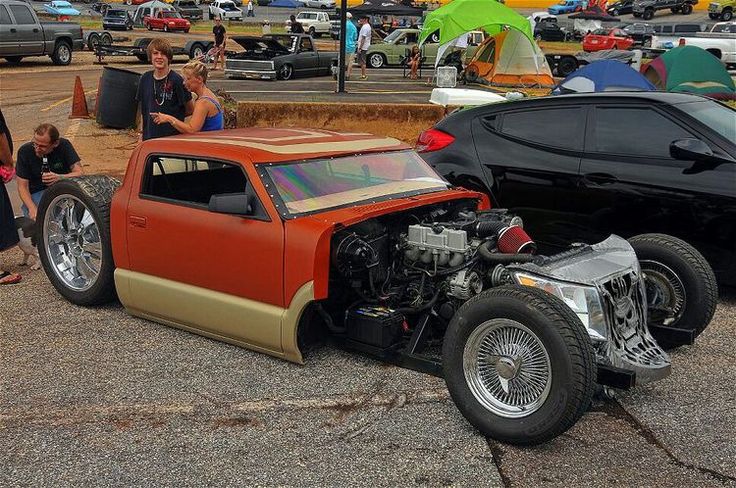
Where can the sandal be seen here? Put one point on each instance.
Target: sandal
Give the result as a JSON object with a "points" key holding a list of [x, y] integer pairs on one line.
{"points": [[8, 278]]}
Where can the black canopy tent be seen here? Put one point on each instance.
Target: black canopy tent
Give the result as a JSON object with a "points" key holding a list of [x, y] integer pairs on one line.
{"points": [[385, 7]]}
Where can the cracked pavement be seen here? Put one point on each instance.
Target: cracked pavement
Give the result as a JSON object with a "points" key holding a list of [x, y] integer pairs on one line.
{"points": [[94, 397]]}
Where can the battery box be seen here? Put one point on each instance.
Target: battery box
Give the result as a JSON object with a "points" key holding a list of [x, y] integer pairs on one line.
{"points": [[373, 325]]}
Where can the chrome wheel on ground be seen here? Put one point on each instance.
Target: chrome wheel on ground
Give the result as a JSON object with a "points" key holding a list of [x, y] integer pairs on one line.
{"points": [[286, 72], [507, 368], [376, 60], [665, 292], [71, 239]]}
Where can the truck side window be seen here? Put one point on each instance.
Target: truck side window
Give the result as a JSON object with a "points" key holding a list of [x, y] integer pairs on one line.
{"points": [[22, 14], [4, 15], [190, 181]]}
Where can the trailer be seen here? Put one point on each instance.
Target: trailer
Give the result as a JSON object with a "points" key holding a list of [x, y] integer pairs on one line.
{"points": [[104, 48]]}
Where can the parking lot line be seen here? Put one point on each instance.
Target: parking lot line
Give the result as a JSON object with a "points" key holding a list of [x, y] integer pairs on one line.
{"points": [[67, 99]]}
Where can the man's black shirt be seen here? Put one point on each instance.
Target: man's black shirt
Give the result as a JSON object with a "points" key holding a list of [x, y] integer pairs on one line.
{"points": [[61, 160]]}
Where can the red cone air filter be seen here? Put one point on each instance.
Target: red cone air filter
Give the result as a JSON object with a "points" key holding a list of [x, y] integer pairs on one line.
{"points": [[513, 240]]}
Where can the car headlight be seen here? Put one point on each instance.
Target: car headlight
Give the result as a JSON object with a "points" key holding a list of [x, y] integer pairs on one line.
{"points": [[583, 300]]}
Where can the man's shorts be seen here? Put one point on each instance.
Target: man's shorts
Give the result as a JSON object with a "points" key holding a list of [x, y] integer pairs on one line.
{"points": [[362, 57], [350, 59]]}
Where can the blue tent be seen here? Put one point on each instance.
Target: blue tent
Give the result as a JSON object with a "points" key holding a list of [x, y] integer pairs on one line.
{"points": [[286, 4], [605, 75]]}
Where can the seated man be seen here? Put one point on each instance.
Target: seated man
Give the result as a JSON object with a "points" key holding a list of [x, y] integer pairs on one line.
{"points": [[42, 163]]}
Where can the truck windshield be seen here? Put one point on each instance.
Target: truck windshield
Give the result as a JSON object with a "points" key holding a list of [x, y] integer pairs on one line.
{"points": [[310, 186], [718, 117]]}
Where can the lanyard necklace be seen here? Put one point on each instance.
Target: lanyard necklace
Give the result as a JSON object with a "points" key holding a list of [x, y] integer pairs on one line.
{"points": [[163, 90]]}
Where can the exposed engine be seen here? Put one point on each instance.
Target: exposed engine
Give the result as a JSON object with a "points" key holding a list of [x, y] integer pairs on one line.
{"points": [[394, 274]]}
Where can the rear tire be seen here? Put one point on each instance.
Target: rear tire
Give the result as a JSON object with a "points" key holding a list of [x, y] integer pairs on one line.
{"points": [[74, 245], [536, 392], [681, 287], [106, 39], [727, 15], [92, 41], [62, 55]]}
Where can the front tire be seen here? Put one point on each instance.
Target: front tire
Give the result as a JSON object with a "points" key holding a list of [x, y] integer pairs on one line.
{"points": [[519, 364], [74, 245], [681, 287], [286, 72], [648, 14], [376, 60]]}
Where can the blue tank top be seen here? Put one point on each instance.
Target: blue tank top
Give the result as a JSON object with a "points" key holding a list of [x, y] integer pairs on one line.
{"points": [[215, 122]]}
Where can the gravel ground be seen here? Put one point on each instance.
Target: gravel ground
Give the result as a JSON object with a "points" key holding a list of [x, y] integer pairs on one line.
{"points": [[94, 397]]}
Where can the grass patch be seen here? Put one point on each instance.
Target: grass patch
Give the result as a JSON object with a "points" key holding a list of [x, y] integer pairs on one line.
{"points": [[560, 47]]}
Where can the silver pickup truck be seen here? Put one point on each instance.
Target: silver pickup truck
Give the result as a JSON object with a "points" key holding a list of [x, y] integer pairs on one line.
{"points": [[22, 35]]}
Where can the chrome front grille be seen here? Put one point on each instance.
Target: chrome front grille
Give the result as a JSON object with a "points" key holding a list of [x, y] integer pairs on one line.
{"points": [[631, 346], [248, 65]]}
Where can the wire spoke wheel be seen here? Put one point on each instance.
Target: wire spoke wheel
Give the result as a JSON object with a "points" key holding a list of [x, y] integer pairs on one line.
{"points": [[72, 242], [665, 292], [507, 368]]}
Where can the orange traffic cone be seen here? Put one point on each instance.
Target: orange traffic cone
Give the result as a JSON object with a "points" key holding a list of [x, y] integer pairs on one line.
{"points": [[79, 102]]}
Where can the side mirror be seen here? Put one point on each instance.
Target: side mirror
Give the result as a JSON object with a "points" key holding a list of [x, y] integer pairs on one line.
{"points": [[690, 150], [231, 203]]}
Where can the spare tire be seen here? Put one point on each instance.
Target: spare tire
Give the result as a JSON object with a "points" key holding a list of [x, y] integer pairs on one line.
{"points": [[681, 286], [74, 238]]}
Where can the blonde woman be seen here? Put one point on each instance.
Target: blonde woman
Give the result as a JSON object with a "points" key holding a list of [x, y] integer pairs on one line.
{"points": [[207, 115]]}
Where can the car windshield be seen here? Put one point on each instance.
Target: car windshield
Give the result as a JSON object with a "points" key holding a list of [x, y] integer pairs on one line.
{"points": [[600, 32], [718, 117], [315, 185], [170, 15], [392, 37], [116, 13]]}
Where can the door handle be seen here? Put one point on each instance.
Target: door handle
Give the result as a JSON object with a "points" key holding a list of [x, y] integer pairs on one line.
{"points": [[600, 178], [13, 30], [136, 221], [35, 30]]}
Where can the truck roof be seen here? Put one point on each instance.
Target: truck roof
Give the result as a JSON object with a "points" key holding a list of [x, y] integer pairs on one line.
{"points": [[270, 145]]}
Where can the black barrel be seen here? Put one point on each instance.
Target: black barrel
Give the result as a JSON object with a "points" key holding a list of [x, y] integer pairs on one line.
{"points": [[116, 104]]}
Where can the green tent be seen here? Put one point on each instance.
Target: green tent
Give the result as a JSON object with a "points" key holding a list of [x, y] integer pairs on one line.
{"points": [[461, 16], [690, 69]]}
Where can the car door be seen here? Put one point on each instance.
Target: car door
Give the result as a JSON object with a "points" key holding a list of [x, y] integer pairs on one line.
{"points": [[28, 31], [630, 184], [8, 39], [209, 260], [306, 60], [532, 158]]}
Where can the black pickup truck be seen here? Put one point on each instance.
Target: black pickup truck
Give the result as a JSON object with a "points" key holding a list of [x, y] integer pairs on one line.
{"points": [[646, 8], [22, 35]]}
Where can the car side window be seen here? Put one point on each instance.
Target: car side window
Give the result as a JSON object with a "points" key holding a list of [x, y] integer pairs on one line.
{"points": [[306, 45], [634, 131], [557, 127], [22, 14], [4, 15], [190, 181]]}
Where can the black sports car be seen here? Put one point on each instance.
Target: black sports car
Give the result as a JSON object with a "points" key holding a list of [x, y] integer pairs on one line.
{"points": [[548, 30], [580, 167], [620, 8], [278, 56]]}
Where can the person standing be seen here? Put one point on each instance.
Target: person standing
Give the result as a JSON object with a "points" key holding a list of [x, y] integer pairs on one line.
{"points": [[43, 162], [220, 40], [250, 13], [162, 91], [364, 43], [8, 233], [351, 37], [295, 27], [208, 114]]}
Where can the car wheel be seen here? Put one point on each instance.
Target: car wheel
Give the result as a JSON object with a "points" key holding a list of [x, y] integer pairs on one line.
{"points": [[518, 364], [106, 39], [648, 14], [62, 55], [286, 72], [647, 42], [687, 9], [727, 15], [713, 16], [197, 51], [311, 31], [566, 66], [13, 59], [166, 28], [376, 60], [186, 31], [538, 37], [92, 41], [75, 246], [636, 14], [680, 285]]}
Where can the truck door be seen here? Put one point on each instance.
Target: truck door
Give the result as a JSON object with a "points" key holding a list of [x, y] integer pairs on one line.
{"points": [[176, 246], [8, 40], [27, 30], [306, 61]]}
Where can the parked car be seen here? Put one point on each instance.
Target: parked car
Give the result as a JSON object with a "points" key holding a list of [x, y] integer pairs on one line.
{"points": [[322, 4], [355, 239], [314, 23], [167, 21], [54, 39], [620, 8], [646, 8], [628, 172], [603, 39], [567, 7], [278, 56], [117, 19], [396, 45], [188, 9], [722, 9], [226, 10], [549, 30], [641, 33]]}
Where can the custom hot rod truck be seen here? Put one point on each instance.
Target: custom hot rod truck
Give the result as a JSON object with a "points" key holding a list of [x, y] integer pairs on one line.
{"points": [[270, 238]]}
